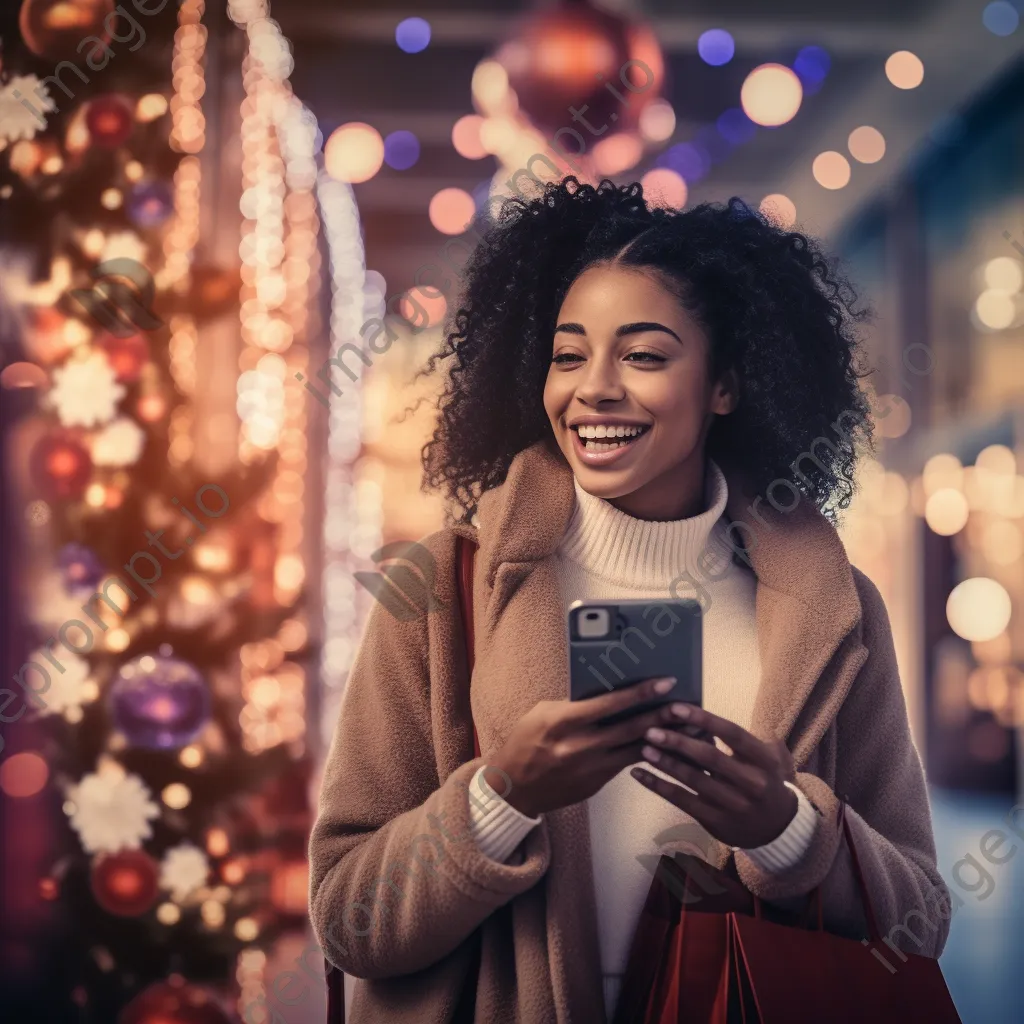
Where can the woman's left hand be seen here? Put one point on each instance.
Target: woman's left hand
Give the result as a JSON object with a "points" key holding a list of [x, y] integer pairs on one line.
{"points": [[743, 801]]}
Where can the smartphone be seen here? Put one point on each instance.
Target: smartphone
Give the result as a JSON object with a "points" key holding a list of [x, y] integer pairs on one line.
{"points": [[613, 644]]}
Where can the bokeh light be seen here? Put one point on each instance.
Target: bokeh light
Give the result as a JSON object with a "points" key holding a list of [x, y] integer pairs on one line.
{"points": [[412, 35], [946, 511], [466, 137], [354, 152], [23, 775], [978, 609], [617, 153], [811, 65], [995, 309], [904, 69], [1000, 18], [451, 210], [690, 162], [663, 187], [866, 144], [942, 470], [657, 121], [716, 47], [1004, 274], [734, 126], [401, 150], [423, 307], [489, 87], [780, 209], [771, 95], [831, 169]]}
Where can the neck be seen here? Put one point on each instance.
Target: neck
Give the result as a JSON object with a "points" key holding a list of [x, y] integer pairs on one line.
{"points": [[676, 494]]}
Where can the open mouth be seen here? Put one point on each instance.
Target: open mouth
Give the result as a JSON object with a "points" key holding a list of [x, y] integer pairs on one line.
{"points": [[608, 438]]}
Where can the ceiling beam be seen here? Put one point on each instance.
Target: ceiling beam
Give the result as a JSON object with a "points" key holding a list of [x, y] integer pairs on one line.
{"points": [[485, 29]]}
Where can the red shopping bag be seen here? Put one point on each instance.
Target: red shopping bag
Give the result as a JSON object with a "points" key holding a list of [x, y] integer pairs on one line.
{"points": [[707, 951]]}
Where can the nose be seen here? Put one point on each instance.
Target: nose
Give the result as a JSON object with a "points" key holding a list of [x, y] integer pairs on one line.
{"points": [[601, 382]]}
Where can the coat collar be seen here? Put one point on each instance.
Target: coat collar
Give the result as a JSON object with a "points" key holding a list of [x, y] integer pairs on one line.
{"points": [[806, 599]]}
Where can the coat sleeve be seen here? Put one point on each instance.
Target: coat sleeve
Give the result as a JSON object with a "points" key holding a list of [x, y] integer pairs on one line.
{"points": [[396, 882], [879, 771]]}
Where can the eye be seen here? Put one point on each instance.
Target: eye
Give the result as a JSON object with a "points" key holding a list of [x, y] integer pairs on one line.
{"points": [[647, 357], [567, 357]]}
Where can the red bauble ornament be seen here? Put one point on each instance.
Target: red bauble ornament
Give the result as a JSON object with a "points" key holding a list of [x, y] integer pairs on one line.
{"points": [[110, 121], [125, 883], [173, 1002], [60, 466], [577, 56], [56, 28], [127, 356]]}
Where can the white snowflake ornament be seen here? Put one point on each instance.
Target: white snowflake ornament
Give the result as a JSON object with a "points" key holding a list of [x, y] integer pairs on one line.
{"points": [[85, 391], [68, 690], [24, 101], [111, 810], [119, 443], [183, 870]]}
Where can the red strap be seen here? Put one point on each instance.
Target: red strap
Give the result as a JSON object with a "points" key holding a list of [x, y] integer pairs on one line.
{"points": [[465, 552], [869, 911]]}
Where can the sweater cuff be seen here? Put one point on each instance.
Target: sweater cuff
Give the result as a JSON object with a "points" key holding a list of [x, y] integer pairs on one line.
{"points": [[494, 824], [786, 850]]}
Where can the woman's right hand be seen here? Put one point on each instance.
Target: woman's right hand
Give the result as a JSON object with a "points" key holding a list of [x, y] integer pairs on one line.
{"points": [[557, 754]]}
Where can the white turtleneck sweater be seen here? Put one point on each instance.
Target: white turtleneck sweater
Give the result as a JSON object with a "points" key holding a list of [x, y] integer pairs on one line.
{"points": [[606, 554]]}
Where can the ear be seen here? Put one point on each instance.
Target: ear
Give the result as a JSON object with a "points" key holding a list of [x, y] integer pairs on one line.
{"points": [[725, 395]]}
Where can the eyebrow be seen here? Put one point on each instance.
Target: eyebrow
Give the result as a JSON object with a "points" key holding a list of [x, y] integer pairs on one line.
{"points": [[640, 327]]}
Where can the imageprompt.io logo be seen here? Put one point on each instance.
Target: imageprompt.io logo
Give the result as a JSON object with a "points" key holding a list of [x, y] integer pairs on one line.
{"points": [[405, 584], [121, 299]]}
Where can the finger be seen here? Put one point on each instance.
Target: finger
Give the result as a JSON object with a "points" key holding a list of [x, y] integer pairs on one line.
{"points": [[743, 744], [688, 802], [715, 792], [591, 710], [633, 728], [742, 775]]}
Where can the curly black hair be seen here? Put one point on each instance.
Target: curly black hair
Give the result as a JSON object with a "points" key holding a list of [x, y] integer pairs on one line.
{"points": [[771, 302]]}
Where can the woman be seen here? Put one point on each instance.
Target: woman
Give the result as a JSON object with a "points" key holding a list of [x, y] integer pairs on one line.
{"points": [[644, 403]]}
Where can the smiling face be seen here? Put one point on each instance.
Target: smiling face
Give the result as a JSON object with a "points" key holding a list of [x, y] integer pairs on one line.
{"points": [[629, 371]]}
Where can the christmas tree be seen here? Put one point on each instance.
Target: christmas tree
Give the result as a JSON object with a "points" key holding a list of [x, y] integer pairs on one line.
{"points": [[160, 711]]}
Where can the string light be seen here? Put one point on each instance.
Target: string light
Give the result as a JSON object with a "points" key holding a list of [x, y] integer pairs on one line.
{"points": [[353, 513], [187, 136], [280, 274]]}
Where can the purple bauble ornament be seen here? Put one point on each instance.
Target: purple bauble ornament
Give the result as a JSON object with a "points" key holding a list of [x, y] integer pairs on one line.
{"points": [[150, 204], [159, 703], [80, 569]]}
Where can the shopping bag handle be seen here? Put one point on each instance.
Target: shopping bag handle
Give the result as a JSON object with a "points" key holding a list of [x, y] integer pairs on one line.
{"points": [[869, 910]]}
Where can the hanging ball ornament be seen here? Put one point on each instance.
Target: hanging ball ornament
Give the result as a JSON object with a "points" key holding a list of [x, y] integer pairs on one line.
{"points": [[55, 29], [159, 702], [126, 883], [174, 1001], [61, 466], [127, 356], [600, 63], [110, 121], [150, 204]]}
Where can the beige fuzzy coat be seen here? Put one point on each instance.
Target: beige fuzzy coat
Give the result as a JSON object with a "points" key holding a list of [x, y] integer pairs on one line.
{"points": [[396, 887]]}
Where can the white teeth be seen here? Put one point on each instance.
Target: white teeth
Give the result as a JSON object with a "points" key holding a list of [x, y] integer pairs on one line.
{"points": [[609, 430]]}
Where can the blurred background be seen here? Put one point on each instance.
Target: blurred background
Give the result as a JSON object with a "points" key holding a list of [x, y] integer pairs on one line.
{"points": [[203, 203]]}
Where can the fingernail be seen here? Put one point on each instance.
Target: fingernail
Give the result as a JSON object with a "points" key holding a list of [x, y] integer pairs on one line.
{"points": [[664, 685], [651, 754], [681, 711], [655, 735]]}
